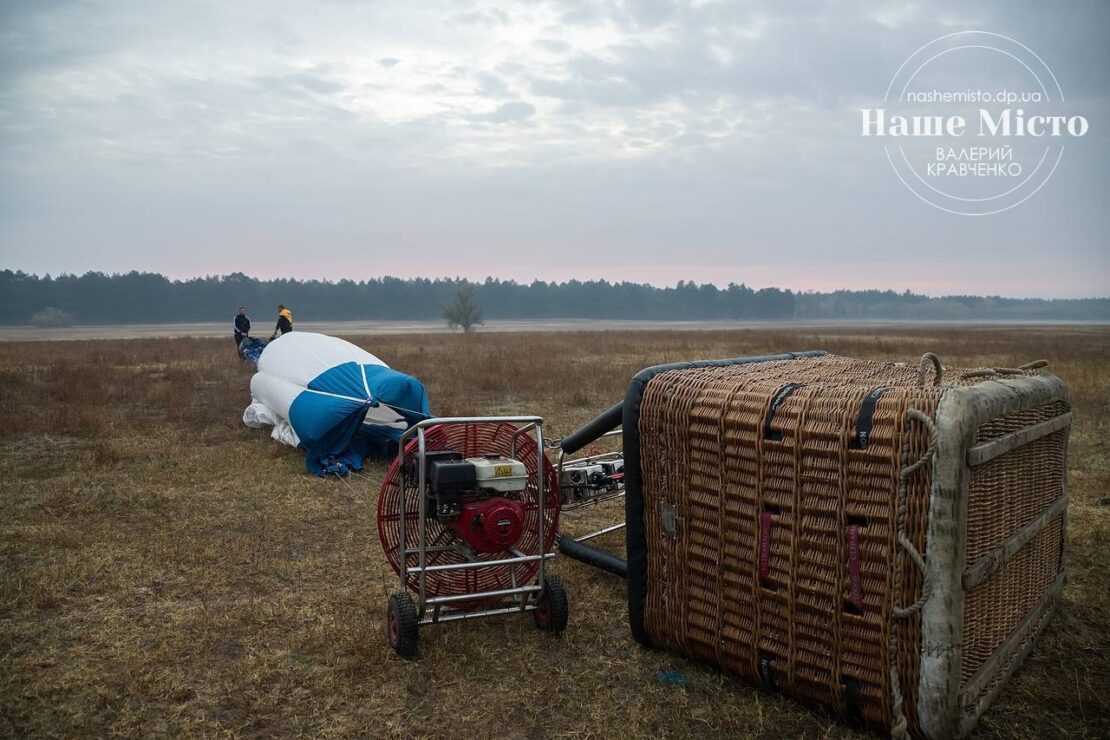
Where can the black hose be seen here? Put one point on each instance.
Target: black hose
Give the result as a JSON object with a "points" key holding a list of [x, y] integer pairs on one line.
{"points": [[607, 421], [584, 553]]}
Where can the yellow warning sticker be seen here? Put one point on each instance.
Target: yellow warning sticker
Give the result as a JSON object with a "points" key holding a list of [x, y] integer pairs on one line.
{"points": [[502, 470]]}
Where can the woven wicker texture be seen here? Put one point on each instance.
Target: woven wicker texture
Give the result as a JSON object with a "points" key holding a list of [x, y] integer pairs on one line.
{"points": [[784, 566], [994, 609], [1013, 489], [1004, 495]]}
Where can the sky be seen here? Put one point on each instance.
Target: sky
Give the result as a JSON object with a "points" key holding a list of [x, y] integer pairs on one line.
{"points": [[648, 141]]}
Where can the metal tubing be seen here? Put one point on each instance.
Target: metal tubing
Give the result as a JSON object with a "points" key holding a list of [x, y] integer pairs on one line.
{"points": [[486, 563], [484, 594], [600, 455], [598, 533], [401, 515], [454, 616], [517, 433], [422, 530], [592, 501], [541, 482], [425, 423], [433, 548]]}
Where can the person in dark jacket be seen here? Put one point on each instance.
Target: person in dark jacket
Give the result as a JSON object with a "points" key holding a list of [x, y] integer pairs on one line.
{"points": [[242, 327], [284, 322]]}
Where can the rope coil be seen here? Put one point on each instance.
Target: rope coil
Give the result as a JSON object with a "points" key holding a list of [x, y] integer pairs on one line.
{"points": [[985, 372], [899, 725], [903, 486], [923, 369]]}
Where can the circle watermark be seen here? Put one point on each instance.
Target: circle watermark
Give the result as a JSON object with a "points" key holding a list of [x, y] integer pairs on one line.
{"points": [[973, 123]]}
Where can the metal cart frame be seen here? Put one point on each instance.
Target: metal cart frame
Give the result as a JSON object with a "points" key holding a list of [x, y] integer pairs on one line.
{"points": [[569, 508], [519, 598]]}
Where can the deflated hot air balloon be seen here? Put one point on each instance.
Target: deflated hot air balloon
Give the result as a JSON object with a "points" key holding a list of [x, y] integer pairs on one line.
{"points": [[337, 402]]}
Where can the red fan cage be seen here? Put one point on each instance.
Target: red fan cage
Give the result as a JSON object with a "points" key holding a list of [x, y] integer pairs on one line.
{"points": [[472, 439]]}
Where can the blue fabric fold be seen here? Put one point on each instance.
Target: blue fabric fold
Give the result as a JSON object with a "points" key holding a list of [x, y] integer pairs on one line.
{"points": [[329, 417]]}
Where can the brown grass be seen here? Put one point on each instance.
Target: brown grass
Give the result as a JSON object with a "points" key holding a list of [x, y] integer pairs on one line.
{"points": [[168, 571]]}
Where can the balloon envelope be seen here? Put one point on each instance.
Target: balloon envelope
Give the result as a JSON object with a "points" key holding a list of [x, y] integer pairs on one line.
{"points": [[337, 402]]}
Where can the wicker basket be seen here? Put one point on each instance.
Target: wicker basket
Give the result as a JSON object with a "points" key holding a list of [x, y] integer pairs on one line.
{"points": [[881, 540]]}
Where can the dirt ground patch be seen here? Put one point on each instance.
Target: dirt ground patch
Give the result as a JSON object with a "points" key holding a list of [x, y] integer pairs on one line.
{"points": [[166, 570]]}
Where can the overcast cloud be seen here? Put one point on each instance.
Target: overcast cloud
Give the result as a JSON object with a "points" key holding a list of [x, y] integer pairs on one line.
{"points": [[648, 141]]}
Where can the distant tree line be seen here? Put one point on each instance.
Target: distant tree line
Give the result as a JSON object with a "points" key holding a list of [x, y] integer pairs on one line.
{"points": [[137, 297]]}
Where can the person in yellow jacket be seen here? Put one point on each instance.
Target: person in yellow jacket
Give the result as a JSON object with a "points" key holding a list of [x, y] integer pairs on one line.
{"points": [[284, 322]]}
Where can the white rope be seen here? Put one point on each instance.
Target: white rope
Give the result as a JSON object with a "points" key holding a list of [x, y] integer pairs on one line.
{"points": [[899, 725]]}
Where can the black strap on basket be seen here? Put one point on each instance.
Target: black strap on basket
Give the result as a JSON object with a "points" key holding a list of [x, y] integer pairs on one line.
{"points": [[782, 394], [766, 670], [853, 701], [866, 418]]}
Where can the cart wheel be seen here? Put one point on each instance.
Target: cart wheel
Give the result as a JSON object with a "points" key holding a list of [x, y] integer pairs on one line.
{"points": [[551, 608], [402, 626]]}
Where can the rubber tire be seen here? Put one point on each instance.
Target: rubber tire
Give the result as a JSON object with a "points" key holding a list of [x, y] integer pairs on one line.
{"points": [[552, 611], [402, 627]]}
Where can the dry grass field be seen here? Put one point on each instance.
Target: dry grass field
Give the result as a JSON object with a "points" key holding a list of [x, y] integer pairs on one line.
{"points": [[166, 570]]}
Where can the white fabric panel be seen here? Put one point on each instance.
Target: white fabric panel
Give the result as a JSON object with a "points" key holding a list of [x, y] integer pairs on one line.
{"points": [[259, 415], [300, 356], [275, 393], [283, 432], [383, 415], [271, 398]]}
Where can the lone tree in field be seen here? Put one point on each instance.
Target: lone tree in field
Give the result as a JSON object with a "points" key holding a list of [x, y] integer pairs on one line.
{"points": [[463, 311]]}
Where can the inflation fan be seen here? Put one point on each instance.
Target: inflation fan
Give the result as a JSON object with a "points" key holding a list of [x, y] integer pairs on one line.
{"points": [[467, 517]]}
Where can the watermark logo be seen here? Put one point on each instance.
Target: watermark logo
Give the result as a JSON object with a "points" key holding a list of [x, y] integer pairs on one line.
{"points": [[973, 123]]}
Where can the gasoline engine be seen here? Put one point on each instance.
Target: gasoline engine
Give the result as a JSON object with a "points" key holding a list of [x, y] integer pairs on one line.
{"points": [[477, 497]]}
